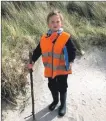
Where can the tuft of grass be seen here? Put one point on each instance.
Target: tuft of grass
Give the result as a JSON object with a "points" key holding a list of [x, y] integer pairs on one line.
{"points": [[14, 66]]}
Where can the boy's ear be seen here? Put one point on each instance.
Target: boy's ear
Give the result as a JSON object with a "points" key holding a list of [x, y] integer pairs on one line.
{"points": [[48, 25]]}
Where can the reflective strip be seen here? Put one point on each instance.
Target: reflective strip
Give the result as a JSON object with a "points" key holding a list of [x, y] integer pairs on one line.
{"points": [[57, 56], [48, 65], [50, 54], [45, 54], [62, 57], [59, 68], [55, 67]]}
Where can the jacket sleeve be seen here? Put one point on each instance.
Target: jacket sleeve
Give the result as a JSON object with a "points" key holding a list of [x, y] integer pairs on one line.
{"points": [[71, 49], [36, 53]]}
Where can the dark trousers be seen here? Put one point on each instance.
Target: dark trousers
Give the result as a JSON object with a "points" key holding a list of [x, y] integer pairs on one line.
{"points": [[59, 83]]}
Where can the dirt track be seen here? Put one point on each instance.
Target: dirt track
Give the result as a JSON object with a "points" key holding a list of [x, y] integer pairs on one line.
{"points": [[86, 99]]}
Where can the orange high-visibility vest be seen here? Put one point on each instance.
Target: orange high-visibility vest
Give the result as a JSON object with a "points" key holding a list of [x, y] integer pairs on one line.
{"points": [[53, 56]]}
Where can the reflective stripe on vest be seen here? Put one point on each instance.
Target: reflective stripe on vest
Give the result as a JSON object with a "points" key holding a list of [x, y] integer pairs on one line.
{"points": [[62, 67], [55, 55]]}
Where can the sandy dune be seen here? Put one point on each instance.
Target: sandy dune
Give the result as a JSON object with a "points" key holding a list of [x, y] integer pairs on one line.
{"points": [[86, 99]]}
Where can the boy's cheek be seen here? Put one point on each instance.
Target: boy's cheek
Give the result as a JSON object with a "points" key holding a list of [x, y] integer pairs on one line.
{"points": [[49, 25], [61, 25]]}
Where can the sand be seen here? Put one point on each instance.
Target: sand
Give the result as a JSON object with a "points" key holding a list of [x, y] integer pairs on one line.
{"points": [[86, 98]]}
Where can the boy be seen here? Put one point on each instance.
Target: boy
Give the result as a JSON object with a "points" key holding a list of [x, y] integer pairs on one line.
{"points": [[58, 52]]}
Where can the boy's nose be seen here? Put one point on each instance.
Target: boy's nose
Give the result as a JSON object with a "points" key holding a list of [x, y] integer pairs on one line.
{"points": [[55, 24]]}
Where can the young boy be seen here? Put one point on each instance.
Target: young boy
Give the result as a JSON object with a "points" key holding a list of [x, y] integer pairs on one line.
{"points": [[58, 52]]}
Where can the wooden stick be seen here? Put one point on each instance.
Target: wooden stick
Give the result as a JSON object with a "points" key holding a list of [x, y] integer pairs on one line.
{"points": [[32, 91]]}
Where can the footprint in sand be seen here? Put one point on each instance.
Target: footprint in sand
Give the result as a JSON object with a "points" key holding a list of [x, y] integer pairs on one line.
{"points": [[71, 119]]}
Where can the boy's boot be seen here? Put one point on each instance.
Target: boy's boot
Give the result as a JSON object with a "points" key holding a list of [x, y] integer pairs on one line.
{"points": [[55, 100], [62, 108]]}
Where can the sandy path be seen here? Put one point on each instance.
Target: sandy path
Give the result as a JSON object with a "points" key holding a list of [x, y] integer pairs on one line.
{"points": [[86, 99]]}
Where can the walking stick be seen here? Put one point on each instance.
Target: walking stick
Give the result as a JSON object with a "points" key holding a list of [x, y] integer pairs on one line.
{"points": [[32, 91]]}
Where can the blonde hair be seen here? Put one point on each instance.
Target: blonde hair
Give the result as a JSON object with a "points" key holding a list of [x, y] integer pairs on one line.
{"points": [[54, 12]]}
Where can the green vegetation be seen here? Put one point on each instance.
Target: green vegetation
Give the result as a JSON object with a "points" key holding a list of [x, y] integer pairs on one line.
{"points": [[23, 24]]}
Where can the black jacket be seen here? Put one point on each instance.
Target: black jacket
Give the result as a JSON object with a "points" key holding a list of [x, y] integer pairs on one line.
{"points": [[70, 49]]}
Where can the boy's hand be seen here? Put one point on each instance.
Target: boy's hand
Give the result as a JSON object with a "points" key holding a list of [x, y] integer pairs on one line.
{"points": [[30, 66]]}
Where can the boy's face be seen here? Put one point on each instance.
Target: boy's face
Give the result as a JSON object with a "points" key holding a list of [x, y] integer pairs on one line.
{"points": [[55, 23]]}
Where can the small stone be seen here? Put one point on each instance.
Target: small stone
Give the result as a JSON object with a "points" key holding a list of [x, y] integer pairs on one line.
{"points": [[82, 52], [99, 98], [83, 102]]}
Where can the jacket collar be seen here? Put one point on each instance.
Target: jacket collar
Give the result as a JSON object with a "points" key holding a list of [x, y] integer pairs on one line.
{"points": [[50, 31]]}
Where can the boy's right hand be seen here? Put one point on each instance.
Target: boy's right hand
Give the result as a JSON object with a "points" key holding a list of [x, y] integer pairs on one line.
{"points": [[30, 66]]}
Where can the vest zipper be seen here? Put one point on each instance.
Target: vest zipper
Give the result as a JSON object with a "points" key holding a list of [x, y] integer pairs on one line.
{"points": [[52, 52], [52, 59]]}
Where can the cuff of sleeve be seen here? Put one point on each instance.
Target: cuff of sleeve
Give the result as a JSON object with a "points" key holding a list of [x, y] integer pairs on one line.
{"points": [[72, 61]]}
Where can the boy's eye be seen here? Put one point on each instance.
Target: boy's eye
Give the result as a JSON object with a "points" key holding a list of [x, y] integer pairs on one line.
{"points": [[52, 21]]}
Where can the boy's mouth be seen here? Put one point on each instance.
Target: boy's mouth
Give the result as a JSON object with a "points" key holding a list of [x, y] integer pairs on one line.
{"points": [[55, 26]]}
